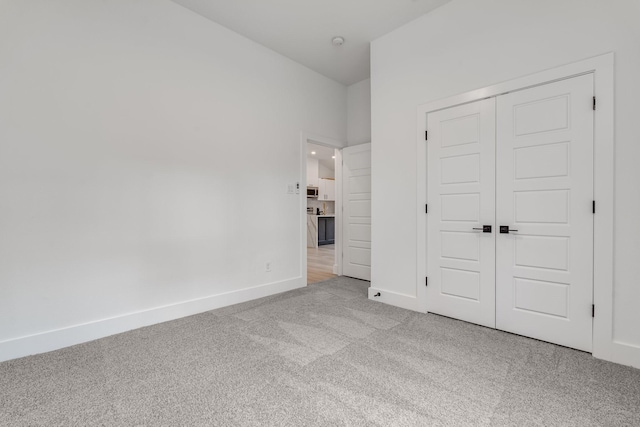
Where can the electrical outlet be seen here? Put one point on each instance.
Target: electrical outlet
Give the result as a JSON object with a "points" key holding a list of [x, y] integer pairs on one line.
{"points": [[290, 188], [267, 266]]}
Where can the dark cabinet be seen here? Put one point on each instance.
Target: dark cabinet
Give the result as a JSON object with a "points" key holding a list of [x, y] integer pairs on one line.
{"points": [[326, 230]]}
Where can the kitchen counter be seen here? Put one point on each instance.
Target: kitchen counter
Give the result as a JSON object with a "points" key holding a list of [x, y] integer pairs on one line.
{"points": [[312, 228], [312, 231]]}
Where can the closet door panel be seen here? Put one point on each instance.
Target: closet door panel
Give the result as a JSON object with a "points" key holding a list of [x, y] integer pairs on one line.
{"points": [[544, 191], [461, 200]]}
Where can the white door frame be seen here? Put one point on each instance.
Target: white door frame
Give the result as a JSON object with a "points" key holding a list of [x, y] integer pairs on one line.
{"points": [[306, 137], [602, 67]]}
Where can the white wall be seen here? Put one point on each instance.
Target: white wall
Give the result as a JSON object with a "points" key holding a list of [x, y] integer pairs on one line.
{"points": [[137, 140], [359, 113], [312, 172], [470, 44], [326, 169]]}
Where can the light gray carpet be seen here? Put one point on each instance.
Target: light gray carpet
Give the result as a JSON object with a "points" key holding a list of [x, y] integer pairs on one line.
{"points": [[322, 355]]}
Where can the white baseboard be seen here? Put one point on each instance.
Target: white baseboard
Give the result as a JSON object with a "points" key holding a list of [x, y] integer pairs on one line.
{"points": [[617, 352], [77, 334], [399, 300]]}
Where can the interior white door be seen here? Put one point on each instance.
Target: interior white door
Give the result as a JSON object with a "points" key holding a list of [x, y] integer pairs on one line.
{"points": [[544, 266], [461, 201], [356, 217]]}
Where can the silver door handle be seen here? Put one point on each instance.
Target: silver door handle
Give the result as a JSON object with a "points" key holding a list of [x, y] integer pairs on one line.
{"points": [[504, 229], [484, 229]]}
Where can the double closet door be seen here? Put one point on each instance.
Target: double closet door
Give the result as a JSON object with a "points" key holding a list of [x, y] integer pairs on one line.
{"points": [[510, 222]]}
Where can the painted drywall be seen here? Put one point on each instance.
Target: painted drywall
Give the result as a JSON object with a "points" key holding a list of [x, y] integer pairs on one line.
{"points": [[312, 172], [145, 154], [470, 44], [326, 169], [359, 113]]}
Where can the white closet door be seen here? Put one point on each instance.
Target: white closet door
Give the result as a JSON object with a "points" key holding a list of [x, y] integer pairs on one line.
{"points": [[544, 270], [356, 228], [461, 200]]}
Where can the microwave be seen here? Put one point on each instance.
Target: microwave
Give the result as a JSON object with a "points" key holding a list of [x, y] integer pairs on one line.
{"points": [[312, 192]]}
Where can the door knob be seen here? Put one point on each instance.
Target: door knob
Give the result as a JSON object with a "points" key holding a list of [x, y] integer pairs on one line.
{"points": [[504, 229], [484, 229]]}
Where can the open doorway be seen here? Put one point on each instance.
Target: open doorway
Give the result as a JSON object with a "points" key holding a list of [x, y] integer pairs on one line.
{"points": [[321, 212], [321, 185], [344, 238]]}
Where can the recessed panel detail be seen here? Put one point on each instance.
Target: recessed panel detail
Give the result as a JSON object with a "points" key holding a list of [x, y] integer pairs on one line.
{"points": [[460, 207], [360, 208], [359, 184], [545, 115], [547, 206], [460, 283], [548, 252], [460, 169], [360, 232], [360, 256], [542, 161], [460, 245], [360, 160], [461, 130], [541, 297]]}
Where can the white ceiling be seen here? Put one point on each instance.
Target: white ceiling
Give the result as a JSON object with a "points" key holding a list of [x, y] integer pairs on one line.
{"points": [[302, 29], [322, 152]]}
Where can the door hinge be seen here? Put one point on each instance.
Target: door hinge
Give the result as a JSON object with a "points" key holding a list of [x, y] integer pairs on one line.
{"points": [[426, 281], [426, 135], [426, 208], [593, 206], [593, 310], [594, 103]]}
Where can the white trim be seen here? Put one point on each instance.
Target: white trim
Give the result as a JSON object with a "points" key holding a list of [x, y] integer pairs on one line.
{"points": [[602, 67], [77, 334], [321, 140], [408, 302], [306, 137], [337, 266]]}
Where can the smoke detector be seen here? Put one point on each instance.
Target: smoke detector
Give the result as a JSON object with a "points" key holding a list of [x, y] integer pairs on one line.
{"points": [[337, 41]]}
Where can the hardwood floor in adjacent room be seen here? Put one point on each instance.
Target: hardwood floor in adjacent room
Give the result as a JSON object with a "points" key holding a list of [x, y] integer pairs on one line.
{"points": [[320, 263]]}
